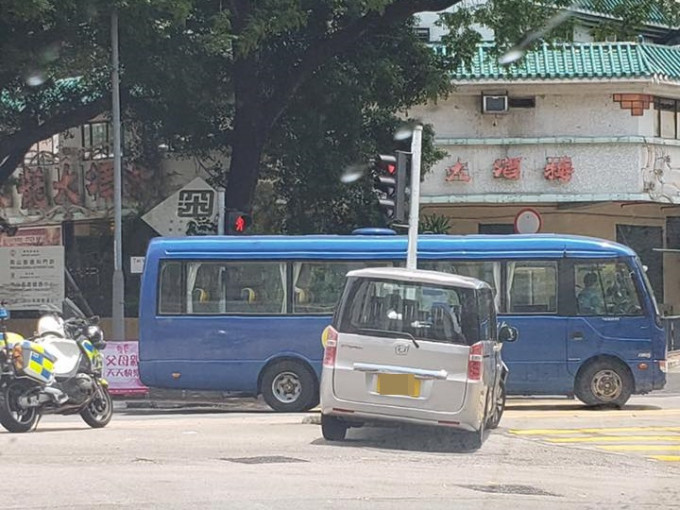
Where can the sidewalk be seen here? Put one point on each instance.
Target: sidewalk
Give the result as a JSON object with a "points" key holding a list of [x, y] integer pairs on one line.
{"points": [[673, 359], [185, 399]]}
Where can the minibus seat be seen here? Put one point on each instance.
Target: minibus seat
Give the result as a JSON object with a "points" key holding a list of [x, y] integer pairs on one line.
{"points": [[444, 324]]}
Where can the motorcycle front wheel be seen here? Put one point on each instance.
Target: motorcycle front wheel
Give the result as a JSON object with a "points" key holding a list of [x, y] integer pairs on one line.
{"points": [[12, 416], [99, 411]]}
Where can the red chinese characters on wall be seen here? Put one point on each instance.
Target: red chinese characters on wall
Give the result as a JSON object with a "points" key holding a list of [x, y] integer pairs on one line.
{"points": [[66, 188], [558, 169], [99, 180], [31, 186], [458, 172], [507, 168]]}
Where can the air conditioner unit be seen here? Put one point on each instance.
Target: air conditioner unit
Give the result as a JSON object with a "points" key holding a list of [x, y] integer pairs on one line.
{"points": [[495, 104]]}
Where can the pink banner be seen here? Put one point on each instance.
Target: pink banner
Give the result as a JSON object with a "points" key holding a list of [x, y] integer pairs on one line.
{"points": [[121, 368], [33, 236]]}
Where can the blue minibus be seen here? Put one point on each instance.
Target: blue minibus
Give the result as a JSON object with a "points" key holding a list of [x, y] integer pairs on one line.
{"points": [[246, 314]]}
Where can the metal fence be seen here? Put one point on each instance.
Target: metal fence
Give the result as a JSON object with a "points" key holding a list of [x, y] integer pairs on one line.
{"points": [[672, 327]]}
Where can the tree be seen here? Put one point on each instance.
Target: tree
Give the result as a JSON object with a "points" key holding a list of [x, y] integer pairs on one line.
{"points": [[234, 75]]}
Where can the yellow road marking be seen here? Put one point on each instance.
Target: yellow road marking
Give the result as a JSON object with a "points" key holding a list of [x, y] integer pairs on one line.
{"points": [[613, 439], [555, 432], [580, 413], [666, 458], [640, 447]]}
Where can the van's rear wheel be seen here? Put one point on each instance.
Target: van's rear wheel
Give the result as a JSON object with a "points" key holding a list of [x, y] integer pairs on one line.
{"points": [[289, 387], [604, 382], [332, 428]]}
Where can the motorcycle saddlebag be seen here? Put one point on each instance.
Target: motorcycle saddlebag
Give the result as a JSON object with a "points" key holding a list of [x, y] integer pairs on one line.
{"points": [[35, 363]]}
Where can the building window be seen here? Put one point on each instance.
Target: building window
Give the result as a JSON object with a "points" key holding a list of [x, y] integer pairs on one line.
{"points": [[522, 102], [423, 34], [97, 140], [666, 117], [496, 228]]}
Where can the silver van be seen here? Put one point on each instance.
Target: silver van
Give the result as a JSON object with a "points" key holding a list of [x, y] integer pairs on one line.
{"points": [[417, 347]]}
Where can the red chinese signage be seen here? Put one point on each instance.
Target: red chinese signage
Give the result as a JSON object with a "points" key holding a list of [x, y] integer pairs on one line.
{"points": [[66, 188], [507, 168], [31, 186], [458, 172], [558, 169], [99, 180]]}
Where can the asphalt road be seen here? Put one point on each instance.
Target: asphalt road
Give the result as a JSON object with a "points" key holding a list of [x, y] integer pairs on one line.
{"points": [[547, 454]]}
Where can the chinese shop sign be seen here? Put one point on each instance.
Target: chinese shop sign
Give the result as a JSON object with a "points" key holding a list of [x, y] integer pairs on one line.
{"points": [[458, 172], [507, 168], [558, 169]]}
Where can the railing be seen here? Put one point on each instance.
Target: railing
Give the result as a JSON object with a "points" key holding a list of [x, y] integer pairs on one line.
{"points": [[672, 326]]}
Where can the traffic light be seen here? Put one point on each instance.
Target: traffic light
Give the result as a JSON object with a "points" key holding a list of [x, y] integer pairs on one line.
{"points": [[237, 222], [390, 185]]}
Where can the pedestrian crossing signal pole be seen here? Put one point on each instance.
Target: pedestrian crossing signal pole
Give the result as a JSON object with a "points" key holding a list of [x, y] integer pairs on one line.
{"points": [[416, 151]]}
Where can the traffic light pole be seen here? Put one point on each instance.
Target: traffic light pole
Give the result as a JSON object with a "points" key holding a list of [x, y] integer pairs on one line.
{"points": [[416, 150]]}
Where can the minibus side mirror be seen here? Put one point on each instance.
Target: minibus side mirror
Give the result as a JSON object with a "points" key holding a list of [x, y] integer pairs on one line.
{"points": [[507, 333]]}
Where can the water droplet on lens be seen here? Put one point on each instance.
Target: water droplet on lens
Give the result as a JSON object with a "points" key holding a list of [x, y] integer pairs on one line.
{"points": [[51, 52], [35, 78], [511, 56], [404, 132], [353, 173]]}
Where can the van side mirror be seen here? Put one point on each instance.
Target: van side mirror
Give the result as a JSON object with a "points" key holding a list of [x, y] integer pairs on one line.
{"points": [[507, 333]]}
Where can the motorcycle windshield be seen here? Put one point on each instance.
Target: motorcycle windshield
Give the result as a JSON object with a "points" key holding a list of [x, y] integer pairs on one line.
{"points": [[70, 310]]}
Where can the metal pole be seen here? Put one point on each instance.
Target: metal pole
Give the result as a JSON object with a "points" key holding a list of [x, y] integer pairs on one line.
{"points": [[412, 254], [220, 212], [118, 312]]}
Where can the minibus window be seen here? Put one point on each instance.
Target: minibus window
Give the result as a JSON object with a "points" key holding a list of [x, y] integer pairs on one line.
{"points": [[605, 288]]}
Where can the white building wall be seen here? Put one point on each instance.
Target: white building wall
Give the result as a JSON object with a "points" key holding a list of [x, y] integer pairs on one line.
{"points": [[613, 153], [558, 114]]}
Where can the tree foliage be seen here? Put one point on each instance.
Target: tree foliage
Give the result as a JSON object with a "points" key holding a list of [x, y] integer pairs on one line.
{"points": [[292, 91]]}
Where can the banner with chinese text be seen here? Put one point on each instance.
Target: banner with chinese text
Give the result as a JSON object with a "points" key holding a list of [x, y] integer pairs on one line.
{"points": [[121, 370]]}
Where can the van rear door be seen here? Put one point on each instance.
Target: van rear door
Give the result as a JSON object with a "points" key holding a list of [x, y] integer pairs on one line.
{"points": [[404, 345]]}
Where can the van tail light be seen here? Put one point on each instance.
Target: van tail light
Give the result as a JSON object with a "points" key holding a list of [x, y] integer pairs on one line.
{"points": [[474, 371], [662, 366], [331, 348]]}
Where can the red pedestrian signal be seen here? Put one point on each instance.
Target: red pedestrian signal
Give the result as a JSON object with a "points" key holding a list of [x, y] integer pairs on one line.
{"points": [[240, 224], [237, 222]]}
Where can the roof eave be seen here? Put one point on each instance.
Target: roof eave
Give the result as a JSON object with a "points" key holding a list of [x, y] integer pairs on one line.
{"points": [[556, 81]]}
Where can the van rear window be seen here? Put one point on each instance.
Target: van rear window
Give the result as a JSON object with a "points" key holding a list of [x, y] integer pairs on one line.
{"points": [[426, 312]]}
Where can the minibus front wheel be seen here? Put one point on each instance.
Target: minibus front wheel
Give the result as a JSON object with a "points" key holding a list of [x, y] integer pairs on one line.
{"points": [[604, 381]]}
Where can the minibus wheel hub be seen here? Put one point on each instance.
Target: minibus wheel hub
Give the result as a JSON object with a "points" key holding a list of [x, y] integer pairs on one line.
{"points": [[286, 387], [607, 384]]}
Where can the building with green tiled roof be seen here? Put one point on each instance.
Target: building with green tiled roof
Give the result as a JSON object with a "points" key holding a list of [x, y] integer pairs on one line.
{"points": [[585, 133], [575, 61]]}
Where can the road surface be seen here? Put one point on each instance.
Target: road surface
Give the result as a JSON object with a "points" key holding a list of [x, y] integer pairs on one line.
{"points": [[546, 454]]}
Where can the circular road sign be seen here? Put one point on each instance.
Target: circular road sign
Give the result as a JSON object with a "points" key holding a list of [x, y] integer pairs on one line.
{"points": [[528, 221]]}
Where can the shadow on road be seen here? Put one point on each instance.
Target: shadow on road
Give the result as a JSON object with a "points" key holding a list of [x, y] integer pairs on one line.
{"points": [[190, 410], [408, 438], [576, 407]]}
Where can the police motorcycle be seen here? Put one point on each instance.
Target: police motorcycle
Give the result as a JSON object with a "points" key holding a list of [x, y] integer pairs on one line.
{"points": [[58, 371]]}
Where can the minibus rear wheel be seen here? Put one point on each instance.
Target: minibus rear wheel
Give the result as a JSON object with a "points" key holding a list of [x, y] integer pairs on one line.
{"points": [[604, 382], [289, 386]]}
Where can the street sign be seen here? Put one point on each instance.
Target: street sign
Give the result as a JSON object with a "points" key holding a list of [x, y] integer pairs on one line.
{"points": [[528, 221], [197, 200], [136, 265]]}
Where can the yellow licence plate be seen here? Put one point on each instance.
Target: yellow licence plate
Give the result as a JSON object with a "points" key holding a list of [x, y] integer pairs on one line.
{"points": [[398, 384]]}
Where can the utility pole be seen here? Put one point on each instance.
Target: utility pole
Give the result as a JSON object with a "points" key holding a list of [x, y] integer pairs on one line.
{"points": [[118, 312], [416, 151]]}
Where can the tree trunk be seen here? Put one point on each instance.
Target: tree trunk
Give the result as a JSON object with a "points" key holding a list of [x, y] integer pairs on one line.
{"points": [[249, 137]]}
